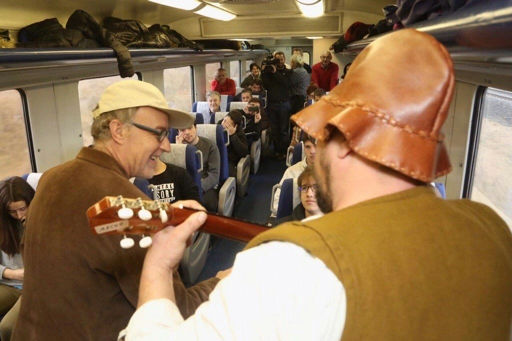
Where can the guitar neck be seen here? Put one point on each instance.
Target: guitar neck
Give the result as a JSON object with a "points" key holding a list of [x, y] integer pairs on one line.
{"points": [[105, 218], [221, 226]]}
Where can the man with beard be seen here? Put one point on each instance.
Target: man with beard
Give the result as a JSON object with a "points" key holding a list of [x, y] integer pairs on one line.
{"points": [[391, 261]]}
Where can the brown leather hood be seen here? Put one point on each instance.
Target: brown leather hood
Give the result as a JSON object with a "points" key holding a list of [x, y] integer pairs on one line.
{"points": [[392, 105]]}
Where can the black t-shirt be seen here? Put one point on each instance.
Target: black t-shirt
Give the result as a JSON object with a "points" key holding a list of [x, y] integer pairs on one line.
{"points": [[175, 184]]}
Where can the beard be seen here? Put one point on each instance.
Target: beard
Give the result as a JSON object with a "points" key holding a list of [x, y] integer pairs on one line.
{"points": [[323, 192]]}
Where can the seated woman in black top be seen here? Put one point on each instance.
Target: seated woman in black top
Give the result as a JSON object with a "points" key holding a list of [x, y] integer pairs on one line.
{"points": [[237, 147]]}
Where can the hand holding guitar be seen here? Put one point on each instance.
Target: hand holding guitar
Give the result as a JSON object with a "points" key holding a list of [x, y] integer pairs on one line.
{"points": [[117, 215]]}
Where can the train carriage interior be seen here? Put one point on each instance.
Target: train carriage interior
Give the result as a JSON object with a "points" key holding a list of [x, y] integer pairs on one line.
{"points": [[48, 92]]}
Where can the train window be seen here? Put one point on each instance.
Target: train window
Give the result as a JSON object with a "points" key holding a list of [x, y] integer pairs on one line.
{"points": [[210, 70], [306, 57], [234, 71], [492, 184], [247, 68], [178, 87], [14, 148], [89, 92]]}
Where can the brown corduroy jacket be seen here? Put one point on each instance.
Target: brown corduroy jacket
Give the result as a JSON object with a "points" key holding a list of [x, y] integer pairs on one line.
{"points": [[78, 285]]}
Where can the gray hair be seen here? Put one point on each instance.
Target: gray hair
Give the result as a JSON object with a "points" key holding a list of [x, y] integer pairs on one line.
{"points": [[297, 59], [213, 93], [100, 129]]}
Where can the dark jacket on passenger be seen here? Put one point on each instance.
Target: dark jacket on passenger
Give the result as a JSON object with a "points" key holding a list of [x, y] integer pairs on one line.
{"points": [[237, 147], [252, 129], [298, 214], [79, 285]]}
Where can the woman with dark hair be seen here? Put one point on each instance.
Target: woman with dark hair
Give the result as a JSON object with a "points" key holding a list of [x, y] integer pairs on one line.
{"points": [[237, 147], [15, 197], [345, 70], [255, 74]]}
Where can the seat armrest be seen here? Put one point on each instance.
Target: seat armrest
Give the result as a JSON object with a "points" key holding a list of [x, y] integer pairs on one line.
{"points": [[255, 154], [227, 194], [274, 189], [289, 156], [243, 169]]}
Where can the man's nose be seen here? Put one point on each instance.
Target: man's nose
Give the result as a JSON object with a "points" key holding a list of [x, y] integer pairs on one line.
{"points": [[165, 145]]}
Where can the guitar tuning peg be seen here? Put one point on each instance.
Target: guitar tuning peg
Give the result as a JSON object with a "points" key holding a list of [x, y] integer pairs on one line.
{"points": [[163, 216], [125, 213], [145, 242], [144, 214], [126, 242]]}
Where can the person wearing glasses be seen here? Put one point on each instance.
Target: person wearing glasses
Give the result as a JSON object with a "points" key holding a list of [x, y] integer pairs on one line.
{"points": [[78, 284], [308, 206], [295, 170]]}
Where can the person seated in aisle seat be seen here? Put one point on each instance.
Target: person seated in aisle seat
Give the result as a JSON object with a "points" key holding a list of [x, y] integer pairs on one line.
{"points": [[295, 170], [173, 183], [246, 95], [211, 164], [222, 84], [213, 101], [314, 93], [319, 93], [15, 198], [255, 74], [237, 147], [308, 206], [311, 92], [257, 88], [253, 117], [243, 96]]}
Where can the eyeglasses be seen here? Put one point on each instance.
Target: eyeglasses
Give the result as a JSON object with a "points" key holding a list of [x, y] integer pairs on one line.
{"points": [[160, 134], [304, 188]]}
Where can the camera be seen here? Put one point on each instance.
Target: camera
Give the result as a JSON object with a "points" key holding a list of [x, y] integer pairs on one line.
{"points": [[255, 109], [266, 65]]}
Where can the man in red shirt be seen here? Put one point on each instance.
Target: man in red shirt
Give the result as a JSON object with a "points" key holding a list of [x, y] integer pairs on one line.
{"points": [[325, 73], [224, 85]]}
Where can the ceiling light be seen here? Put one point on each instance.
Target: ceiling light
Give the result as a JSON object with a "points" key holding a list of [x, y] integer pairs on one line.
{"points": [[311, 8], [215, 13], [187, 5], [314, 37]]}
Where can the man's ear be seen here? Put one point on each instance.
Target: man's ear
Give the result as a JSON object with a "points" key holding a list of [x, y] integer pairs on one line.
{"points": [[117, 131], [343, 150]]}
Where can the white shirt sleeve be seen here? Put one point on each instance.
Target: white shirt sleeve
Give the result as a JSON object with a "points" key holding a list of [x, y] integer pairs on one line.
{"points": [[276, 291]]}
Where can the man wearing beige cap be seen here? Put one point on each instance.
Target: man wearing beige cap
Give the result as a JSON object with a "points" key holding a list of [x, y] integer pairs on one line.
{"points": [[78, 285], [392, 261]]}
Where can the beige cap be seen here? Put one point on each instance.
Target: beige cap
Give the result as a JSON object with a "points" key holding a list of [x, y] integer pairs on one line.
{"points": [[133, 94], [391, 105]]}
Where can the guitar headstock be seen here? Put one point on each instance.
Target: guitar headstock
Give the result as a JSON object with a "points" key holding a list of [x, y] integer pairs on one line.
{"points": [[117, 215]]}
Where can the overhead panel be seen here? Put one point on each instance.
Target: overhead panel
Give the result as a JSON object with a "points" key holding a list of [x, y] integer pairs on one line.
{"points": [[254, 27]]}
